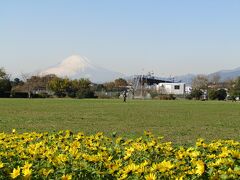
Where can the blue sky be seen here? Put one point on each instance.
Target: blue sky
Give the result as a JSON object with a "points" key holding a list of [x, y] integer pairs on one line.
{"points": [[170, 37]]}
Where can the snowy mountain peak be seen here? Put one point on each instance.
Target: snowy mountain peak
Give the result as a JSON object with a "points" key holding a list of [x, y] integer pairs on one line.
{"points": [[76, 66], [69, 66], [75, 62]]}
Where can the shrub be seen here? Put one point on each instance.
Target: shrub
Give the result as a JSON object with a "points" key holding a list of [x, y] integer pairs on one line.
{"points": [[212, 94], [154, 94], [85, 93], [20, 95], [103, 96], [166, 97], [189, 97], [5, 94], [40, 95], [219, 94], [197, 94], [60, 94]]}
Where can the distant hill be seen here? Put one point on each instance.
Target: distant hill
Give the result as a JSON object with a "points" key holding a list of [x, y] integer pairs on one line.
{"points": [[227, 74], [76, 67], [224, 75]]}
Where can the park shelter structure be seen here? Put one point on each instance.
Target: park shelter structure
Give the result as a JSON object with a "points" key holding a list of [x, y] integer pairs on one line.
{"points": [[171, 88]]}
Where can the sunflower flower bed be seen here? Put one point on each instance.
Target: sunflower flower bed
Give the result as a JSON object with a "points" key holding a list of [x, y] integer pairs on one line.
{"points": [[65, 155]]}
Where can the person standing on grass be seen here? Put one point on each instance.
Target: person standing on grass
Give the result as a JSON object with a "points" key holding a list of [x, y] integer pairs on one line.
{"points": [[124, 95]]}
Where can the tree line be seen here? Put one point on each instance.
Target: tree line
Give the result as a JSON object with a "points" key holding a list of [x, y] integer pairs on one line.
{"points": [[54, 86], [34, 86], [204, 87]]}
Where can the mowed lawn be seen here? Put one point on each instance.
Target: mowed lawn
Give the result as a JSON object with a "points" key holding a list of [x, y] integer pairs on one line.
{"points": [[179, 121]]}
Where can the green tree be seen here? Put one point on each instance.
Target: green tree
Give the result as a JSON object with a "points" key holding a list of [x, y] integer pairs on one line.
{"points": [[212, 94], [235, 90], [79, 88], [81, 83], [109, 86], [32, 84], [17, 82], [196, 93], [116, 85], [97, 87], [5, 83], [221, 94], [85, 93], [120, 82], [59, 86]]}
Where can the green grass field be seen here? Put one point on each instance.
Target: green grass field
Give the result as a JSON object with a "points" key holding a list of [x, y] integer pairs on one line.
{"points": [[180, 121]]}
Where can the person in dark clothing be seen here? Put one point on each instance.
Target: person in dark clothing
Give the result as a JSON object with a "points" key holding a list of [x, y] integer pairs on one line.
{"points": [[124, 96]]}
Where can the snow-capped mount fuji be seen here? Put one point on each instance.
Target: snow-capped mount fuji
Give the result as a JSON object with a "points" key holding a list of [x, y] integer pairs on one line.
{"points": [[76, 67]]}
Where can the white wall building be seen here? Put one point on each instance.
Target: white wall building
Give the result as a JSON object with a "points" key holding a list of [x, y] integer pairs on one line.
{"points": [[171, 88]]}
